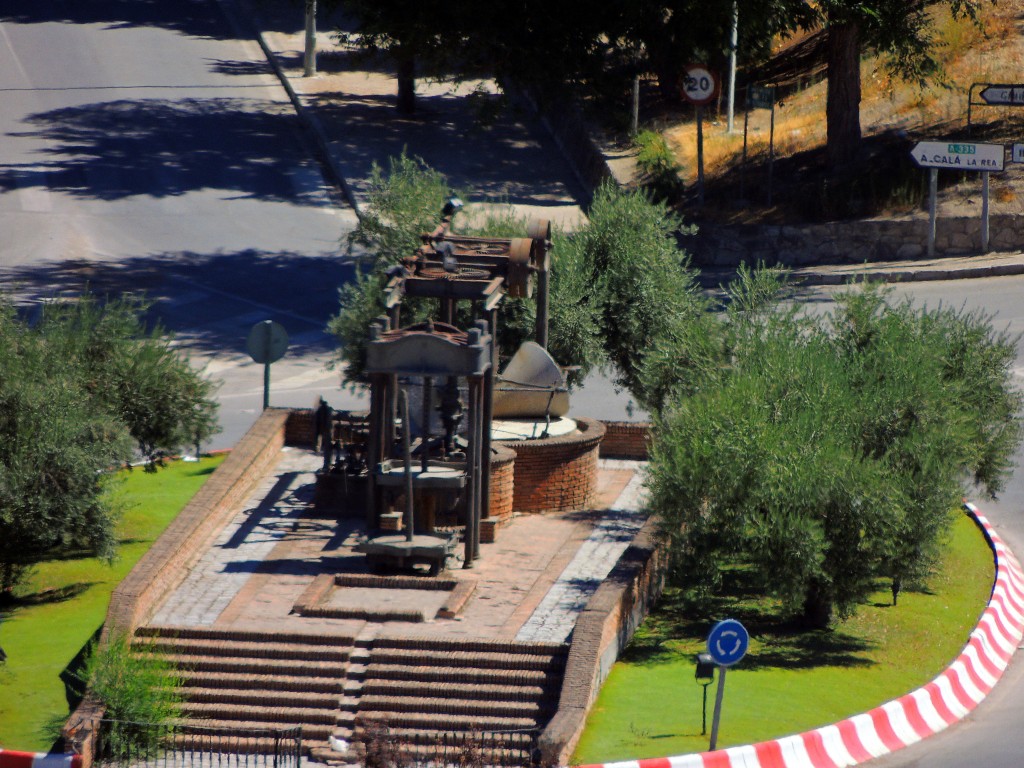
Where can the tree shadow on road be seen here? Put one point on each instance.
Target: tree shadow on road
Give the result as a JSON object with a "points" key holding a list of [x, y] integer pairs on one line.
{"points": [[197, 18], [209, 301], [162, 148]]}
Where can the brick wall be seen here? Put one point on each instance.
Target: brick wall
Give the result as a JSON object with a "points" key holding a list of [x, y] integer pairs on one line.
{"points": [[602, 631], [168, 561], [557, 474], [626, 440], [502, 482], [298, 430]]}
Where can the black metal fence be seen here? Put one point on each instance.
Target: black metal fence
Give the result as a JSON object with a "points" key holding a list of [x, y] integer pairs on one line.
{"points": [[145, 745]]}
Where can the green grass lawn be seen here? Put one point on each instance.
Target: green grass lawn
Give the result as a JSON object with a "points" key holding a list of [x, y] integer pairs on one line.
{"points": [[65, 602], [789, 682]]}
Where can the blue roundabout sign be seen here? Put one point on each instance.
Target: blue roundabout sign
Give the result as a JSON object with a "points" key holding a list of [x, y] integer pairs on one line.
{"points": [[727, 642]]}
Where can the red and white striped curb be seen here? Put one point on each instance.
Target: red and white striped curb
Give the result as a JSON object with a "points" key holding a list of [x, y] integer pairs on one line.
{"points": [[903, 721], [11, 759]]}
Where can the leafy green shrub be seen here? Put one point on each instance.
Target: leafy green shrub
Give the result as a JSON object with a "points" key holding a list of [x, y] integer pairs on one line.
{"points": [[658, 167], [139, 690]]}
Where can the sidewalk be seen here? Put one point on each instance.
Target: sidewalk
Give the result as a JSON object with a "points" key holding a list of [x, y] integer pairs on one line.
{"points": [[491, 155]]}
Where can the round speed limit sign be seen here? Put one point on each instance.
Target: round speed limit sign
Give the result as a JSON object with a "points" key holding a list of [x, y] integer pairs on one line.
{"points": [[700, 86]]}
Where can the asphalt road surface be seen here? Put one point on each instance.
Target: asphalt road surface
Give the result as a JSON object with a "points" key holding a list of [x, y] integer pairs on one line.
{"points": [[147, 147], [991, 736]]}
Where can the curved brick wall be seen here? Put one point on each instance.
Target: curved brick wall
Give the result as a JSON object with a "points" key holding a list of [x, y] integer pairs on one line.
{"points": [[502, 485], [557, 474]]}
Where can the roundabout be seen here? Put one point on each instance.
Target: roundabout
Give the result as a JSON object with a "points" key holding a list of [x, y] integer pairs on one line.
{"points": [[903, 721]]}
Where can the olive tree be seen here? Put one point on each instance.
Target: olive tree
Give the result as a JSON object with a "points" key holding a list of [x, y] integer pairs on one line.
{"points": [[832, 450], [83, 390]]}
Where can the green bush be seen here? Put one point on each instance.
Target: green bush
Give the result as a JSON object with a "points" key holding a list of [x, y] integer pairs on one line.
{"points": [[139, 690], [658, 167]]}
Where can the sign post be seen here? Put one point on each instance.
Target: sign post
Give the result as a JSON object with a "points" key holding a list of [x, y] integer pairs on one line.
{"points": [[266, 344], [727, 644], [700, 87], [958, 156]]}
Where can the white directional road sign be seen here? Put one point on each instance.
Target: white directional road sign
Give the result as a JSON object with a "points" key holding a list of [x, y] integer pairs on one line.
{"points": [[959, 156], [1010, 95], [1018, 154]]}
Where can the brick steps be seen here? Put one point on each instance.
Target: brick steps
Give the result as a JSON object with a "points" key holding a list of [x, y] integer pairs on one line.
{"points": [[244, 635], [214, 681], [260, 697], [533, 677], [258, 667], [428, 721], [230, 728], [429, 643], [468, 659], [284, 716], [492, 695], [459, 707], [426, 737], [423, 752], [237, 680], [406, 686], [234, 744], [235, 648]]}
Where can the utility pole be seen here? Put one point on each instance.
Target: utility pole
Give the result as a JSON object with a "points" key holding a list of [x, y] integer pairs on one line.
{"points": [[733, 41], [309, 57]]}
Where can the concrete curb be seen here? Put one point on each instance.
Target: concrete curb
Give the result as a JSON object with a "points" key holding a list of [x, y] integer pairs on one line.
{"points": [[904, 721], [308, 118], [11, 759]]}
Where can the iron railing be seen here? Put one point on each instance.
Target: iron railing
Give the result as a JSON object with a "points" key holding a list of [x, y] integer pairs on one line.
{"points": [[146, 745]]}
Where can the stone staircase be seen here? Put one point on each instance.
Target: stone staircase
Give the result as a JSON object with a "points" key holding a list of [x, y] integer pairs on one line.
{"points": [[238, 681], [458, 697], [415, 696]]}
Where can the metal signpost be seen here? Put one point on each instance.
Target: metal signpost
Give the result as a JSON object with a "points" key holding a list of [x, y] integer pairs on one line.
{"points": [[266, 344], [993, 95], [958, 156], [700, 87], [759, 97], [727, 644]]}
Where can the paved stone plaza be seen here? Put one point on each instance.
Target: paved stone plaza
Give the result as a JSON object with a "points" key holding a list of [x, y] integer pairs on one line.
{"points": [[531, 584]]}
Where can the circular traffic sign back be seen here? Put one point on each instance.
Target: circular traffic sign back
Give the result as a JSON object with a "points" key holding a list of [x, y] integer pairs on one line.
{"points": [[700, 85], [727, 642], [267, 342]]}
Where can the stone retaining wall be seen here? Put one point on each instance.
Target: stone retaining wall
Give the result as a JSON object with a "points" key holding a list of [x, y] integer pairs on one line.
{"points": [[848, 242], [557, 474], [603, 629]]}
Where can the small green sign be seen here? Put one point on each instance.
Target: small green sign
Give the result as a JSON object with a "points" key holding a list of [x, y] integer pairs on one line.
{"points": [[962, 149], [761, 96]]}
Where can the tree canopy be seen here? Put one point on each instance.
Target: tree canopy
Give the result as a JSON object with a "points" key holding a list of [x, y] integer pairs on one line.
{"points": [[605, 41], [833, 450], [83, 390]]}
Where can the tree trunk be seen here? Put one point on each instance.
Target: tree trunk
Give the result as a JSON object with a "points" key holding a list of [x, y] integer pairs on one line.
{"points": [[406, 64], [842, 109], [817, 607]]}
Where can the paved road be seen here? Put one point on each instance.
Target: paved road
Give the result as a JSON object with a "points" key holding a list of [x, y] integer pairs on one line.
{"points": [[991, 736], [148, 146]]}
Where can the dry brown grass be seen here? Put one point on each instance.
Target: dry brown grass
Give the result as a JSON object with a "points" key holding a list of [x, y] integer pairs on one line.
{"points": [[993, 52]]}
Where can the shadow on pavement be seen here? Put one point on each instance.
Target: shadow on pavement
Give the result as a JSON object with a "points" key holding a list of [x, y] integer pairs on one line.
{"points": [[161, 148]]}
